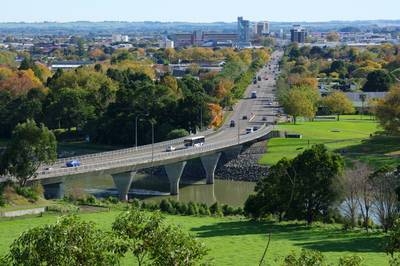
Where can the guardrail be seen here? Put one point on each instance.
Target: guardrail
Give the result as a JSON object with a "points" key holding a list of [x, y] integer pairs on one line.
{"points": [[111, 162]]}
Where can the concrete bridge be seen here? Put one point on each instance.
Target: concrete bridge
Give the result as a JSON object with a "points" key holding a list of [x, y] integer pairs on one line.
{"points": [[123, 164]]}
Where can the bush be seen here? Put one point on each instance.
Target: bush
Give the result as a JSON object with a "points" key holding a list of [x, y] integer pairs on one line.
{"points": [[216, 210], [350, 260], [27, 192], [306, 257]]}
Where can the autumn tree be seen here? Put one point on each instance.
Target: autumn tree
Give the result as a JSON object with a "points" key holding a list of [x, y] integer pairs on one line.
{"points": [[338, 103], [30, 146], [333, 36], [300, 101], [387, 111]]}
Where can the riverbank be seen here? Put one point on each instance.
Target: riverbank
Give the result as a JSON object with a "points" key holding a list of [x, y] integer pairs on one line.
{"points": [[352, 137]]}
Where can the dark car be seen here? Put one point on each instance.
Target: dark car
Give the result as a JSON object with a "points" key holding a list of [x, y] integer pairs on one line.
{"points": [[73, 163], [244, 117], [264, 118], [232, 123]]}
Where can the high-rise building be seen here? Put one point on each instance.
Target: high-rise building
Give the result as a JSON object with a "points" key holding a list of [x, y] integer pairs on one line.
{"points": [[298, 34], [243, 30], [261, 28]]}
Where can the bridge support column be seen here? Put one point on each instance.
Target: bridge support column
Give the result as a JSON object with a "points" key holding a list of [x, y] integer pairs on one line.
{"points": [[54, 190], [232, 152], [174, 173], [210, 163], [123, 182]]}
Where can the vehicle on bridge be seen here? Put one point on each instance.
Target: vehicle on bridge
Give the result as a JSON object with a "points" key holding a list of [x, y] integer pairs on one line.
{"points": [[194, 141], [73, 163], [253, 94], [170, 148]]}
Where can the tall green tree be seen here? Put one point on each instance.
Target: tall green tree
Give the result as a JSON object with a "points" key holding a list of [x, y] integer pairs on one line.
{"points": [[303, 188], [378, 80], [30, 146]]}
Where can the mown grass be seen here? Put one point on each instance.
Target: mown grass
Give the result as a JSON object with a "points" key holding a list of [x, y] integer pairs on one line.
{"points": [[352, 136], [236, 241]]}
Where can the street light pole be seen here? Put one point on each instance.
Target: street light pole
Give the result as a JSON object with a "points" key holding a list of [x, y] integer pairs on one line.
{"points": [[136, 121], [201, 118], [238, 133], [152, 147]]}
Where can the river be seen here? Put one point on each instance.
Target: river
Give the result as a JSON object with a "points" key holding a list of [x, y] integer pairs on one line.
{"points": [[233, 193]]}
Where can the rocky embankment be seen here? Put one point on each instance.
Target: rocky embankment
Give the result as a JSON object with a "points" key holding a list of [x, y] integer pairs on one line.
{"points": [[245, 167]]}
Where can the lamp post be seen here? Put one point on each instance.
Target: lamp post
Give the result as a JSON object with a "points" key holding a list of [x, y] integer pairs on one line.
{"points": [[152, 122], [136, 126], [238, 133]]}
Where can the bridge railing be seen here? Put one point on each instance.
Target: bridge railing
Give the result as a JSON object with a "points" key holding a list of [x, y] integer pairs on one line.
{"points": [[62, 161], [148, 159]]}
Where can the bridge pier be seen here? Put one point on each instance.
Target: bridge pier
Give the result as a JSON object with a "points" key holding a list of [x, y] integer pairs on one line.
{"points": [[54, 190], [174, 173], [232, 152], [123, 182], [210, 163]]}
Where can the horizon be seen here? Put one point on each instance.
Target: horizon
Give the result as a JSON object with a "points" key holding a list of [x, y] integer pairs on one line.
{"points": [[192, 22], [208, 11]]}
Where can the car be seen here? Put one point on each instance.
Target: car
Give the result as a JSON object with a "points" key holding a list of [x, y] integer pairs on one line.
{"points": [[249, 130], [244, 117], [264, 118], [170, 148], [73, 163], [232, 123], [255, 128]]}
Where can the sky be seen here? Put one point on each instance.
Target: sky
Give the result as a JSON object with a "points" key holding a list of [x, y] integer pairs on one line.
{"points": [[197, 11]]}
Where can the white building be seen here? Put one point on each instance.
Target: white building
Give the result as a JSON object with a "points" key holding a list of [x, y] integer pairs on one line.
{"points": [[120, 38], [166, 43]]}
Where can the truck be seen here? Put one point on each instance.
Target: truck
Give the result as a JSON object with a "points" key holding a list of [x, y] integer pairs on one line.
{"points": [[253, 94]]}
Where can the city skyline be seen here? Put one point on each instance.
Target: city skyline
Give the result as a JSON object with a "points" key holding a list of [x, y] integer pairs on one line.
{"points": [[208, 11]]}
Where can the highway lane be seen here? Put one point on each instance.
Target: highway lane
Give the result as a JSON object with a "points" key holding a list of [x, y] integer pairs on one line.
{"points": [[255, 109]]}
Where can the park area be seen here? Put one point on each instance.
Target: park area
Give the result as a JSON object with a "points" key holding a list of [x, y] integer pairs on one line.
{"points": [[238, 241], [355, 137]]}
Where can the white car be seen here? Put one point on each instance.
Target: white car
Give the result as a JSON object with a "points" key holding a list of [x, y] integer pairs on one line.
{"points": [[170, 148]]}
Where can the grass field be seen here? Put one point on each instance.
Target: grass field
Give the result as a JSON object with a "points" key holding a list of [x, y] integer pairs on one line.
{"points": [[350, 136], [235, 241]]}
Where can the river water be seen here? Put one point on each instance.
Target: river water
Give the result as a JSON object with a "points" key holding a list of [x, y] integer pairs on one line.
{"points": [[233, 193]]}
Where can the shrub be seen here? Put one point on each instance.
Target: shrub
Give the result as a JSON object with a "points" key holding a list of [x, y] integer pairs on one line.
{"points": [[27, 192], [350, 260], [306, 257], [216, 210]]}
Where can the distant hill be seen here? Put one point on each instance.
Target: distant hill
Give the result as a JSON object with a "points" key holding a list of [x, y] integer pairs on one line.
{"points": [[108, 27]]}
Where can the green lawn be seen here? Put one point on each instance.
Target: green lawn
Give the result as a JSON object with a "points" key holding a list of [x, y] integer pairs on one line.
{"points": [[349, 136], [235, 241]]}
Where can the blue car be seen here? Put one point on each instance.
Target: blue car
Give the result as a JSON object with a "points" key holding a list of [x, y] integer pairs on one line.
{"points": [[73, 163]]}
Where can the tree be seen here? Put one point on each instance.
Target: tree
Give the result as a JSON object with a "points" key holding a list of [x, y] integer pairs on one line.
{"points": [[338, 103], [378, 80], [387, 111], [333, 36], [147, 236], [353, 182], [300, 101], [303, 188], [275, 192], [69, 241], [384, 183], [30, 146]]}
